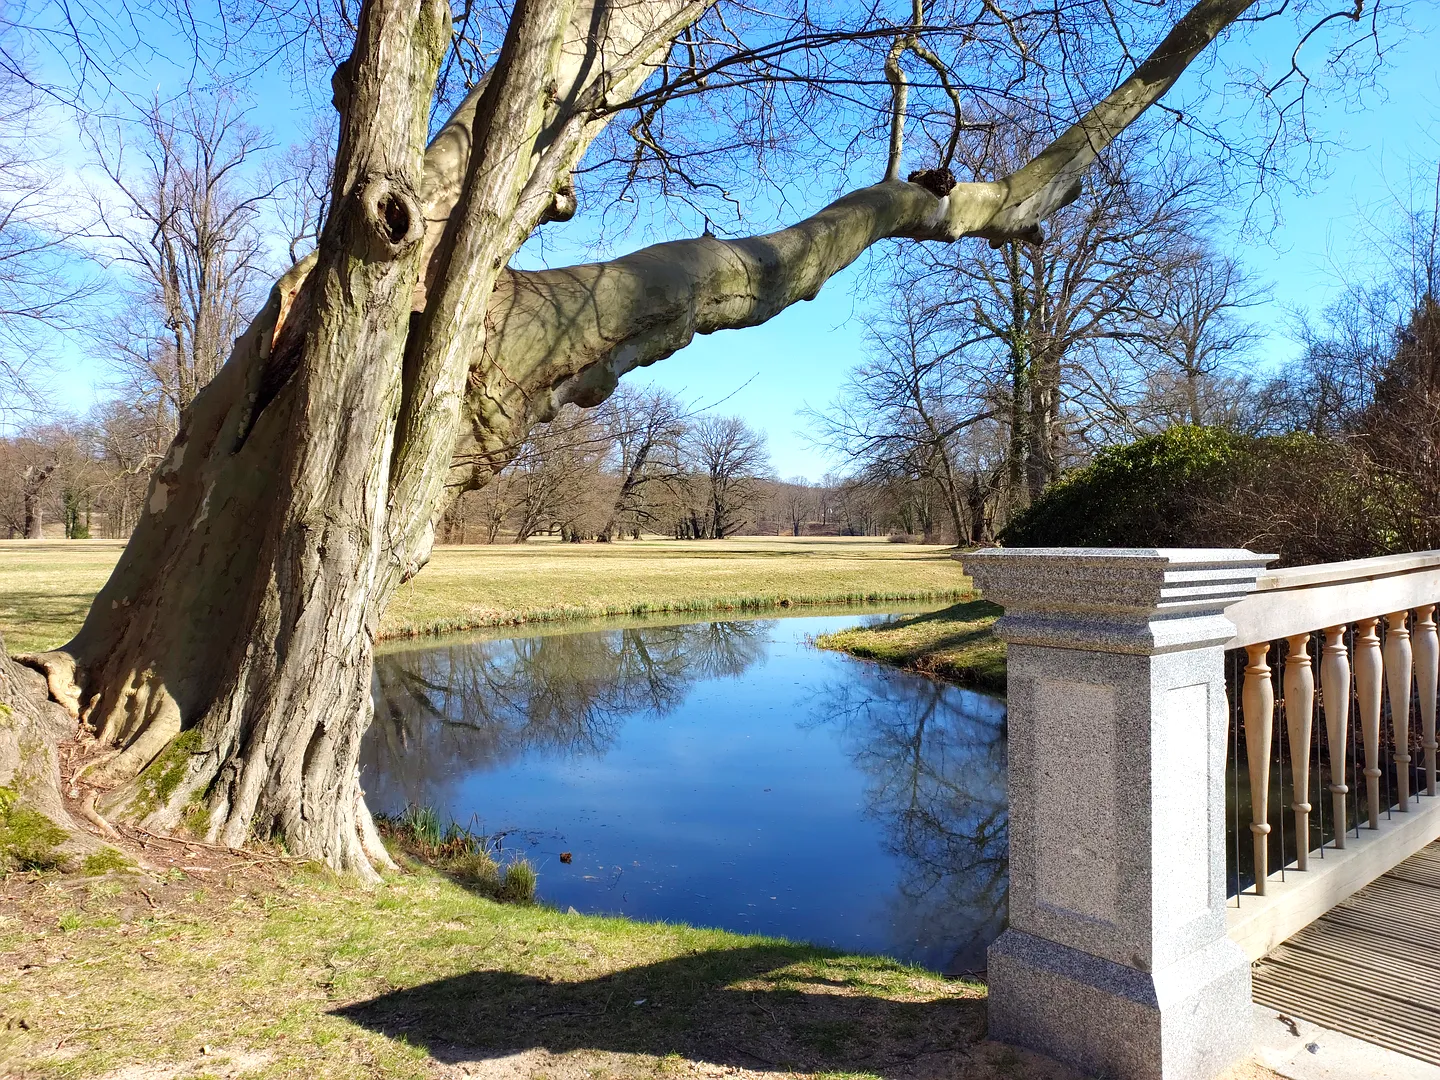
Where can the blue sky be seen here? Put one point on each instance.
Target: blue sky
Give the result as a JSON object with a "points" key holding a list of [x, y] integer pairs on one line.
{"points": [[767, 373]]}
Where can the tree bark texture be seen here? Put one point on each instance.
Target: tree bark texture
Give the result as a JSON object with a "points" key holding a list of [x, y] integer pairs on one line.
{"points": [[31, 729], [226, 665], [32, 490]]}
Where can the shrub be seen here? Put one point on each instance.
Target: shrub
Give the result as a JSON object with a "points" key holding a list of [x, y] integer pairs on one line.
{"points": [[1303, 498]]}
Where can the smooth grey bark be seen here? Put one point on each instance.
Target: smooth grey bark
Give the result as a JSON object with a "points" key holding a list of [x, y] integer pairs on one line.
{"points": [[232, 645]]}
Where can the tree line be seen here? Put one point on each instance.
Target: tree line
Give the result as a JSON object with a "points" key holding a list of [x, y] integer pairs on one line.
{"points": [[999, 370]]}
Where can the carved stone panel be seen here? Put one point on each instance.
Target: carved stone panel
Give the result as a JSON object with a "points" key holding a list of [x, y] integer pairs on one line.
{"points": [[1077, 865]]}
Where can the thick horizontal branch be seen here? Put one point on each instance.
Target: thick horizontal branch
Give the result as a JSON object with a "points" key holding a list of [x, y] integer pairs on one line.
{"points": [[567, 335]]}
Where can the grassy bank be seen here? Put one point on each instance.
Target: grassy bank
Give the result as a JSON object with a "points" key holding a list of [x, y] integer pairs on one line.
{"points": [[954, 644], [242, 969], [46, 586]]}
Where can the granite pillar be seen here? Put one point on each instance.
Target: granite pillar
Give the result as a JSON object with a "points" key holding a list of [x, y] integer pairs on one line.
{"points": [[1116, 959]]}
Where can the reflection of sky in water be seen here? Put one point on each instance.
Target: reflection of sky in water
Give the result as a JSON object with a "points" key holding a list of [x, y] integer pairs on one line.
{"points": [[720, 774]]}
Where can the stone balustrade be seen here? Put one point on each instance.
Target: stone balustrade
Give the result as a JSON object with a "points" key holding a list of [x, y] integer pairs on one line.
{"points": [[1123, 955]]}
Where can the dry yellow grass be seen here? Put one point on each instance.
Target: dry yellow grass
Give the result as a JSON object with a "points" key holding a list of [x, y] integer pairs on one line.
{"points": [[955, 643], [46, 586]]}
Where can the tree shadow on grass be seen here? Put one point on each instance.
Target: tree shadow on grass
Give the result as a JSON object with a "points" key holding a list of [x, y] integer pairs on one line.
{"points": [[790, 1007]]}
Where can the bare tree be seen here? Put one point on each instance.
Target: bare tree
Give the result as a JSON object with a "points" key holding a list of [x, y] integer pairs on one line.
{"points": [[555, 481], [306, 481], [29, 483], [1192, 337], [729, 457], [130, 440], [905, 412], [41, 287], [797, 503], [34, 480], [187, 229], [647, 428], [1037, 315]]}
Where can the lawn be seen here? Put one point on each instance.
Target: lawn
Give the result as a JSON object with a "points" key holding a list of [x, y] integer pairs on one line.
{"points": [[257, 968], [46, 586], [955, 643]]}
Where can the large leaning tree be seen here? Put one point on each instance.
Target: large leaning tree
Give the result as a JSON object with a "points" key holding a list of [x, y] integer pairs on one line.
{"points": [[223, 673]]}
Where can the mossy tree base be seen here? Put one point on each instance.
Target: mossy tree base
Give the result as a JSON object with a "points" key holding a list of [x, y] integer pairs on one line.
{"points": [[37, 831]]}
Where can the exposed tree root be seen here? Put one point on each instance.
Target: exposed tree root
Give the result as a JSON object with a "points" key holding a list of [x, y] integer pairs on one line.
{"points": [[32, 729], [87, 809]]}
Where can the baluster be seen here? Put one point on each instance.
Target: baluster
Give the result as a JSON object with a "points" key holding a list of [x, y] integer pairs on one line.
{"points": [[1427, 684], [1299, 714], [1368, 667], [1335, 692], [1257, 699], [1397, 676]]}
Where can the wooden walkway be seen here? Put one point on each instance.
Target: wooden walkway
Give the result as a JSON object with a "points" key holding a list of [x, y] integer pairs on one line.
{"points": [[1371, 966]]}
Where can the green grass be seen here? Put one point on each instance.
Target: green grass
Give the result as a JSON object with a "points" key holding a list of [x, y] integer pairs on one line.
{"points": [[307, 975], [955, 644], [462, 855], [46, 586]]}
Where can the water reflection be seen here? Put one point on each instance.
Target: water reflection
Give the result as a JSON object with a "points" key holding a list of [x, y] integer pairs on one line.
{"points": [[934, 761], [719, 773], [441, 713]]}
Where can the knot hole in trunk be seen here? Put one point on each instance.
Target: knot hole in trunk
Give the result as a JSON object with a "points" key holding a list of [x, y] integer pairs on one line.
{"points": [[392, 211]]}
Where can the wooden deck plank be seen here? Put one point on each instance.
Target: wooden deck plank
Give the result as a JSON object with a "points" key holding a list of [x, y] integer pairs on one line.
{"points": [[1370, 967]]}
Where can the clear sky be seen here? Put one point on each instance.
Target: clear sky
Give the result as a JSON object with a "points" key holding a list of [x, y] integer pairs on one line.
{"points": [[767, 373]]}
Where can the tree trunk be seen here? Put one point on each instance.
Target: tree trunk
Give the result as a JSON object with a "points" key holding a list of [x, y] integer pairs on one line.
{"points": [[32, 488], [1041, 466], [1017, 497], [31, 730], [34, 517], [244, 608], [976, 500]]}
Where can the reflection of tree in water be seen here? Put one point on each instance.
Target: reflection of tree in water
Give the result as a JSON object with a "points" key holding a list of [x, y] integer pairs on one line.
{"points": [[444, 712], [934, 756]]}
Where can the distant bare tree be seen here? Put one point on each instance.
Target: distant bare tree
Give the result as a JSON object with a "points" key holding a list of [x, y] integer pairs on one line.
{"points": [[728, 457], [41, 291], [302, 183], [646, 427], [186, 227], [1035, 315], [555, 480], [1192, 338], [904, 411], [34, 479], [28, 466], [796, 500], [130, 439]]}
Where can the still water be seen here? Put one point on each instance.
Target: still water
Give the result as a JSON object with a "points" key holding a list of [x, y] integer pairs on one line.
{"points": [[719, 773]]}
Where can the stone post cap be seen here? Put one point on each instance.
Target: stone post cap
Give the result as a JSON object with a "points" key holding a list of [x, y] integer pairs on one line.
{"points": [[1127, 600]]}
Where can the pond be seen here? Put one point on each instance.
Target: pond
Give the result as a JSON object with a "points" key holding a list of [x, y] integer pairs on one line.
{"points": [[722, 773]]}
